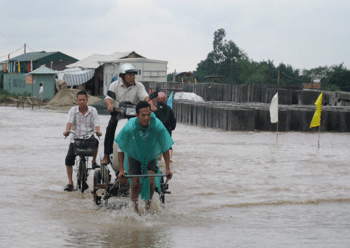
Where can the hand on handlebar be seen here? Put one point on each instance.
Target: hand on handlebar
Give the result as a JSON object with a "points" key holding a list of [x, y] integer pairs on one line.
{"points": [[153, 108], [121, 175], [170, 175], [99, 134], [110, 108], [66, 133]]}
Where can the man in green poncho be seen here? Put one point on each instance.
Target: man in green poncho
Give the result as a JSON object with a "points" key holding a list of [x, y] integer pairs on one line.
{"points": [[140, 142]]}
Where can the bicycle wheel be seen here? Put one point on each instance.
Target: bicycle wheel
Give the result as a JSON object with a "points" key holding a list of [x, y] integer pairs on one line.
{"points": [[82, 175], [97, 180], [162, 195], [105, 176], [78, 176]]}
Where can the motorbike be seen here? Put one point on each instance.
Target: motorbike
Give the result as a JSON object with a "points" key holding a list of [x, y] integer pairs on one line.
{"points": [[103, 189]]}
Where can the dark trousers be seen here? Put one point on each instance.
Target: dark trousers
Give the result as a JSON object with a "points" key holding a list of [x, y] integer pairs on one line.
{"points": [[110, 132]]}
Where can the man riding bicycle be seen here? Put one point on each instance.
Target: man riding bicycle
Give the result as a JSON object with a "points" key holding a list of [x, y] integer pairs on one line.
{"points": [[83, 120], [140, 142], [125, 89]]}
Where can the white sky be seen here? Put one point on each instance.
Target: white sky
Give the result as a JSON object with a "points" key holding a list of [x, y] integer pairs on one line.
{"points": [[304, 34]]}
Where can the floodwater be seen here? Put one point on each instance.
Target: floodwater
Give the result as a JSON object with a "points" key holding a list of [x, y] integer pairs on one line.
{"points": [[229, 189]]}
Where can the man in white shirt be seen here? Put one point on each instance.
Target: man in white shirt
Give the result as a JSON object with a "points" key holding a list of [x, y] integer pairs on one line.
{"points": [[41, 93], [83, 120], [126, 89]]}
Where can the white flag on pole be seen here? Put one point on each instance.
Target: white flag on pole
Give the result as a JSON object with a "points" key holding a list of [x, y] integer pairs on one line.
{"points": [[274, 109]]}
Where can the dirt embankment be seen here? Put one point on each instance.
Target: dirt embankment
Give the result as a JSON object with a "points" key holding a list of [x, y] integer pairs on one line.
{"points": [[67, 98]]}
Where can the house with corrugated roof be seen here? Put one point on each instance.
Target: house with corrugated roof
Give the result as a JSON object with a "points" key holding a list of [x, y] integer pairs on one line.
{"points": [[36, 65], [28, 62], [106, 67]]}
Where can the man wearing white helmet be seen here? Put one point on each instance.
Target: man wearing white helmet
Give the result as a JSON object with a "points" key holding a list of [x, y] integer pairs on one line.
{"points": [[126, 89]]}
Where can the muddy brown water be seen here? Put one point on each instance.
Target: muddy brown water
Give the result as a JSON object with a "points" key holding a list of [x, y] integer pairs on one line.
{"points": [[229, 189]]}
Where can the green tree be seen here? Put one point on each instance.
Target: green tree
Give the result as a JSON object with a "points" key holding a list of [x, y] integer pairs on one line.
{"points": [[340, 76], [222, 60], [230, 62], [170, 77], [334, 78], [316, 73]]}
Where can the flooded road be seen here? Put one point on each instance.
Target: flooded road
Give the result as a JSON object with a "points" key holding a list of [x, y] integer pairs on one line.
{"points": [[229, 189]]}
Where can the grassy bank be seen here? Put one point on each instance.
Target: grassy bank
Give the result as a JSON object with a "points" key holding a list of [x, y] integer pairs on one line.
{"points": [[6, 96]]}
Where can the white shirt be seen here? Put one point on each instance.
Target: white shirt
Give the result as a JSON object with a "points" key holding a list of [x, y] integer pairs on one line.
{"points": [[41, 90], [134, 93], [83, 125]]}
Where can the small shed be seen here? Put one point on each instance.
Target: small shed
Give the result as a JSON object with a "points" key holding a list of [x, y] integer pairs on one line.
{"points": [[21, 83], [184, 77], [46, 77]]}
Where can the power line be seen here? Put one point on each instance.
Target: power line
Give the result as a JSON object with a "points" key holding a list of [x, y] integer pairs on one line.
{"points": [[30, 48], [12, 52]]}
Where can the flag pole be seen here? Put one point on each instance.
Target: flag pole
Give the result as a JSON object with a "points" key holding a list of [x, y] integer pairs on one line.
{"points": [[319, 127], [277, 134], [319, 132]]}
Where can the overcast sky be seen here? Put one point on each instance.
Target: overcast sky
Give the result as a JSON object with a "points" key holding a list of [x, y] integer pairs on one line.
{"points": [[304, 34]]}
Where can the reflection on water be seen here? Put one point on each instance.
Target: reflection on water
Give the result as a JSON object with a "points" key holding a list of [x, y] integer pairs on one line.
{"points": [[229, 189]]}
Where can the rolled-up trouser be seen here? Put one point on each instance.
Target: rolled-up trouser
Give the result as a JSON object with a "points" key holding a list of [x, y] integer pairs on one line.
{"points": [[135, 166], [110, 132]]}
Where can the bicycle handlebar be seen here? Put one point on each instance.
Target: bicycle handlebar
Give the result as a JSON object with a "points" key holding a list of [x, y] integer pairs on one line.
{"points": [[71, 131], [148, 175]]}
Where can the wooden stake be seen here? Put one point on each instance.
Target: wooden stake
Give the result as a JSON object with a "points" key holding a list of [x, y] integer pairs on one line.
{"points": [[319, 132]]}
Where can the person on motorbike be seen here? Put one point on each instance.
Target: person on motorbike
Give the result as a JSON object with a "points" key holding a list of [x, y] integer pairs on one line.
{"points": [[83, 120], [166, 115], [140, 142], [126, 89]]}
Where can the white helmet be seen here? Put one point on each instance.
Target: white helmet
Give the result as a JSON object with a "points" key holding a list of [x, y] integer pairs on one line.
{"points": [[125, 68]]}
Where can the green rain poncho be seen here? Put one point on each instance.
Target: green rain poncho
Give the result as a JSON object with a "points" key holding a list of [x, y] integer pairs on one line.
{"points": [[144, 144]]}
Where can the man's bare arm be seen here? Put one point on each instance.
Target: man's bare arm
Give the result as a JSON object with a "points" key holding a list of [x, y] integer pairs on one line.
{"points": [[68, 128], [166, 156], [121, 167], [109, 104], [153, 108]]}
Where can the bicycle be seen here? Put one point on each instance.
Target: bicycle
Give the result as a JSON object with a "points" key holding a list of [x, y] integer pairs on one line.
{"points": [[83, 148], [29, 100], [102, 188]]}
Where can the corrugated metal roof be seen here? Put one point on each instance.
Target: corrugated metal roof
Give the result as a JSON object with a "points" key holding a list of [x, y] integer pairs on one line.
{"points": [[31, 56], [184, 74], [131, 60], [43, 70], [92, 62]]}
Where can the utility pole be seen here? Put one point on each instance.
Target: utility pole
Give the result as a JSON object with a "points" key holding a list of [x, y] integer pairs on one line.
{"points": [[279, 76], [25, 48]]}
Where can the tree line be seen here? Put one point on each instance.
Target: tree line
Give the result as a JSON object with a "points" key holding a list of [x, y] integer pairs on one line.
{"points": [[232, 65]]}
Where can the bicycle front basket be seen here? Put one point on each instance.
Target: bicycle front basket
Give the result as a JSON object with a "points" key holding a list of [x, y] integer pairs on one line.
{"points": [[84, 147]]}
